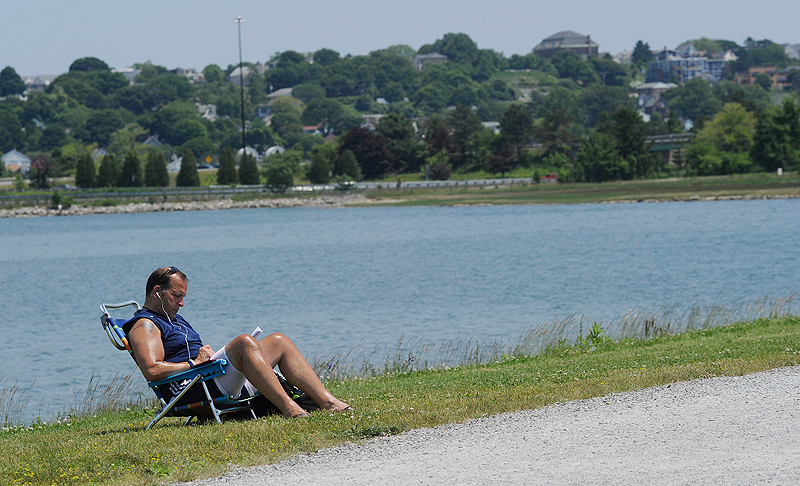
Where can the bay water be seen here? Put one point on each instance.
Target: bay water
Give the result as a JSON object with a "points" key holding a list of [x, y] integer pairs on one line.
{"points": [[335, 280]]}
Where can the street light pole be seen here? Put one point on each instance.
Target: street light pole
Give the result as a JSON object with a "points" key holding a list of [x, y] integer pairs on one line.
{"points": [[239, 20]]}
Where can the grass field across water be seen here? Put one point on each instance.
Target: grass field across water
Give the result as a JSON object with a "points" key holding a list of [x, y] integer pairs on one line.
{"points": [[112, 447]]}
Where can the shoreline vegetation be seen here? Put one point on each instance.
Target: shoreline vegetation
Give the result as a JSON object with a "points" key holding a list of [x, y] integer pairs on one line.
{"points": [[103, 440], [714, 188]]}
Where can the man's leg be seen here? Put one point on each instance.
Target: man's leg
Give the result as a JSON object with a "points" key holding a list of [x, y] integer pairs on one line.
{"points": [[280, 350], [246, 356]]}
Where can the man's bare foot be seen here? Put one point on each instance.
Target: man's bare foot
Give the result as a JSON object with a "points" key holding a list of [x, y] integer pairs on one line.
{"points": [[337, 405]]}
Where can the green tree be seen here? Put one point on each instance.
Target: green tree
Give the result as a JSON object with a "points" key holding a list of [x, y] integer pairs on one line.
{"points": [[10, 82], [131, 173], [598, 159], [319, 169], [776, 143], [465, 125], [248, 170], [693, 100], [213, 74], [306, 92], [408, 151], [597, 99], [85, 172], [629, 132], [280, 171], [570, 65], [642, 53], [764, 81], [440, 166], [227, 168], [347, 165], [187, 175], [155, 171], [703, 159], [89, 64], [793, 77], [731, 129], [516, 127], [108, 172], [101, 125]]}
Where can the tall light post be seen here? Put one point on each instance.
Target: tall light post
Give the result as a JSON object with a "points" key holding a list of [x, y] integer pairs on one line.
{"points": [[239, 20]]}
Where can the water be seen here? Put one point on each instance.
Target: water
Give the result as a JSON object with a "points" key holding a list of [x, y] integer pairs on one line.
{"points": [[333, 279]]}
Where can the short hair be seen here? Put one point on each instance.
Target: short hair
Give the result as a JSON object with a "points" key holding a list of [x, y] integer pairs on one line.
{"points": [[161, 277]]}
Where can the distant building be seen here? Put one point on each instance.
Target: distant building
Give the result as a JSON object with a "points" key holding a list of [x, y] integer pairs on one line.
{"points": [[16, 161], [193, 76], [792, 50], [656, 89], [209, 112], [130, 73], [152, 141], [236, 74], [682, 65], [567, 40], [37, 84], [420, 60], [777, 77]]}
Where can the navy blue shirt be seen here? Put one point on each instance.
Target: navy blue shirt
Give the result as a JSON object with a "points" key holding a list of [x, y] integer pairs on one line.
{"points": [[181, 341]]}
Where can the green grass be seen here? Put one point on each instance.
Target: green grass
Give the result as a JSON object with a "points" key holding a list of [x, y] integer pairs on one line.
{"points": [[678, 189], [112, 447]]}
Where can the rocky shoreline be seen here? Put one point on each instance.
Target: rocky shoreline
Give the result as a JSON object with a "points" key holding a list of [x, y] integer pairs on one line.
{"points": [[332, 201], [219, 204]]}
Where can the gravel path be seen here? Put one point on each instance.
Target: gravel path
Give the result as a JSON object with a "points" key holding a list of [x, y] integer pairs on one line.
{"points": [[732, 431]]}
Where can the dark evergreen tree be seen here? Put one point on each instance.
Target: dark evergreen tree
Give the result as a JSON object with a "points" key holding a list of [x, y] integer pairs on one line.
{"points": [[188, 176], [776, 143], [248, 171], [227, 168], [347, 166], [371, 151], [155, 171], [642, 53], [85, 172], [319, 170], [131, 173], [10, 82], [108, 172], [516, 127]]}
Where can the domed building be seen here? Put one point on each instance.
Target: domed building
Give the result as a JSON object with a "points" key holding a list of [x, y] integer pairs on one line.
{"points": [[567, 40]]}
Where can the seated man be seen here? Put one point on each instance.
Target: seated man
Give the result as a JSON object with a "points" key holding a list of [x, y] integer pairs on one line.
{"points": [[164, 344]]}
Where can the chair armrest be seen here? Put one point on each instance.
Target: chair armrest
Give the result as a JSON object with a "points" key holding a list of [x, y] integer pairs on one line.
{"points": [[206, 370]]}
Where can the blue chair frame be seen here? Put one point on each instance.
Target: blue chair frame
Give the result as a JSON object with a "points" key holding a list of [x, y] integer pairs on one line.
{"points": [[200, 374]]}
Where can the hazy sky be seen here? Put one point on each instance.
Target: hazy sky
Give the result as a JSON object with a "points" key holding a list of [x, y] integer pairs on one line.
{"points": [[46, 36]]}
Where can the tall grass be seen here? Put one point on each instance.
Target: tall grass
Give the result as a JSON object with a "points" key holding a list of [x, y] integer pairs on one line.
{"points": [[667, 318], [128, 390]]}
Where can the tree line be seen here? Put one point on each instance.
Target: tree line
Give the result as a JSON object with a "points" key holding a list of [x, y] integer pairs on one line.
{"points": [[567, 115]]}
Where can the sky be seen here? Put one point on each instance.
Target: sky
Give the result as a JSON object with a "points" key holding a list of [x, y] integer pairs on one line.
{"points": [[46, 36]]}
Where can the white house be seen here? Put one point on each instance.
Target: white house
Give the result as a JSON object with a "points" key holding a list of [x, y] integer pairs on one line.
{"points": [[14, 161]]}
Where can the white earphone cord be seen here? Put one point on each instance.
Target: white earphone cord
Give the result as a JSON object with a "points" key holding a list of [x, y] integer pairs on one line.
{"points": [[185, 331]]}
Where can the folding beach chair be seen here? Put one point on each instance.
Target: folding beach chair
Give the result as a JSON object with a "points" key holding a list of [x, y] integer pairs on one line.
{"points": [[197, 376]]}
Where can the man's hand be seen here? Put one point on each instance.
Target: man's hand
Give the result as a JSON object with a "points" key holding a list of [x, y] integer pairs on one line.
{"points": [[204, 354]]}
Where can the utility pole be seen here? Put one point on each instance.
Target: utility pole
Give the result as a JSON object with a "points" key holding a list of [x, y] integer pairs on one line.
{"points": [[239, 20]]}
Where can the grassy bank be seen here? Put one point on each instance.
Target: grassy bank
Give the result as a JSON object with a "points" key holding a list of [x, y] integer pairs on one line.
{"points": [[114, 448], [693, 188]]}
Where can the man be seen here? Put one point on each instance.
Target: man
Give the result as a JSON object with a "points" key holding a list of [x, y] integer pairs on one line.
{"points": [[164, 344]]}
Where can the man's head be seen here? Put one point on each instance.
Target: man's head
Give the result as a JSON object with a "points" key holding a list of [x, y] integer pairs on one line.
{"points": [[166, 288]]}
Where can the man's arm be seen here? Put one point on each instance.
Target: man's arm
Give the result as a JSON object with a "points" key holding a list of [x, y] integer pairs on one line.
{"points": [[145, 340]]}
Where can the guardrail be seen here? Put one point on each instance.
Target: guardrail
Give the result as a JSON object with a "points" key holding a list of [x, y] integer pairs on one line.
{"points": [[164, 194]]}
